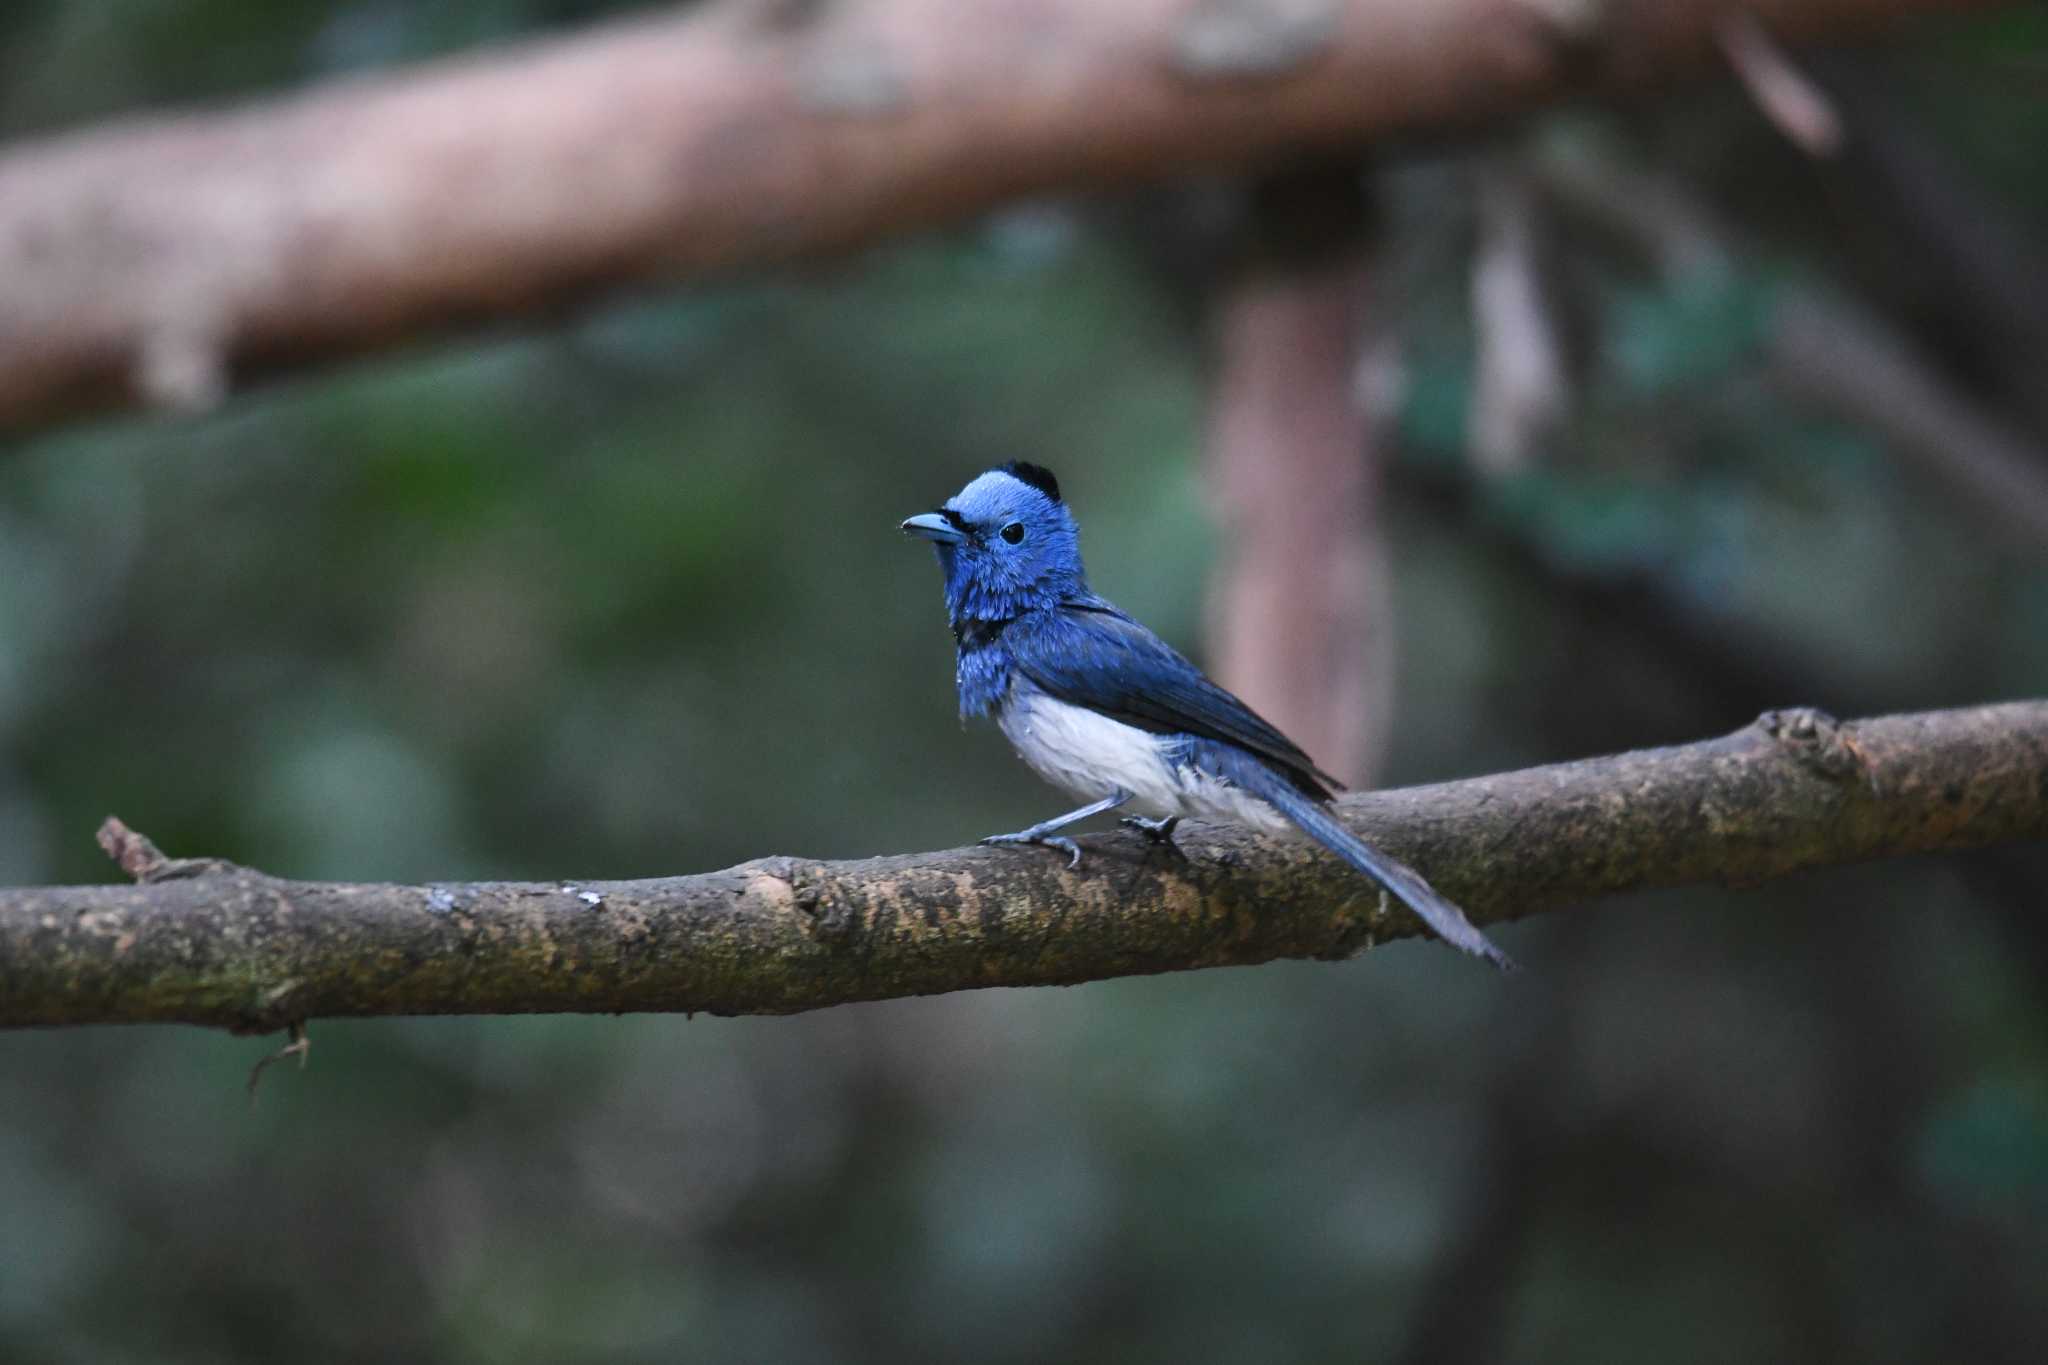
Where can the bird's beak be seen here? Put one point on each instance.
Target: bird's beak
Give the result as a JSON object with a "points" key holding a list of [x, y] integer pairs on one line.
{"points": [[932, 526]]}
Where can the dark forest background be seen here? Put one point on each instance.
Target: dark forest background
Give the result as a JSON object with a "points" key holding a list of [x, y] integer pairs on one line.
{"points": [[621, 593]]}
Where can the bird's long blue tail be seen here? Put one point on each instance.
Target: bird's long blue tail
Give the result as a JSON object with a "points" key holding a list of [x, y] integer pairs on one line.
{"points": [[1407, 885]]}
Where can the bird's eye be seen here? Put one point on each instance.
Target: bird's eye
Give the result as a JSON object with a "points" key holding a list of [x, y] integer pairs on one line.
{"points": [[1014, 532]]}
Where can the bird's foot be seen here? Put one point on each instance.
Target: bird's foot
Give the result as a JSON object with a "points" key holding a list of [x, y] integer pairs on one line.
{"points": [[1158, 831], [1036, 836]]}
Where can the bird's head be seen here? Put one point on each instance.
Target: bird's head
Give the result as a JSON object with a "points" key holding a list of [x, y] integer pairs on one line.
{"points": [[1006, 542]]}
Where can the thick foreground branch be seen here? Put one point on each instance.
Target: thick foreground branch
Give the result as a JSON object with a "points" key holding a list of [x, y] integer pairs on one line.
{"points": [[203, 942], [160, 261]]}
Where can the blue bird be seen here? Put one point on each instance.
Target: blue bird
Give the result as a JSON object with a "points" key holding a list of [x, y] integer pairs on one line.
{"points": [[1101, 707]]}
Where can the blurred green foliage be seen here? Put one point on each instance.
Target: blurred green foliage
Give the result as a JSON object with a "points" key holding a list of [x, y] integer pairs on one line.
{"points": [[624, 596]]}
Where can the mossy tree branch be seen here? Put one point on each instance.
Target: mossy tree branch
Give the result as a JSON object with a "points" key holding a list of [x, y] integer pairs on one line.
{"points": [[204, 942]]}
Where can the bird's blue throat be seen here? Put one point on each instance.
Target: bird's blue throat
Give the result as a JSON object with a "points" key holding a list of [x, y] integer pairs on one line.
{"points": [[986, 619]]}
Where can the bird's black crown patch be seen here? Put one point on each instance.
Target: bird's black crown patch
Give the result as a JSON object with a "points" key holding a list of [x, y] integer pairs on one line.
{"points": [[1037, 475]]}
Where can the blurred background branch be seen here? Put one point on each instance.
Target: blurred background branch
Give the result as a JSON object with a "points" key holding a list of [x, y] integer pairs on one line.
{"points": [[1825, 351], [210, 943], [164, 261]]}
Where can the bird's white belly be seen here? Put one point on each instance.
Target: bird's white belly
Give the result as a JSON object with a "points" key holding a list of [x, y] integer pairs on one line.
{"points": [[1089, 755]]}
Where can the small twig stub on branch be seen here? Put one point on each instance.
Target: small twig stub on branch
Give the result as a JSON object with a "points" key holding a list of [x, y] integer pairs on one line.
{"points": [[299, 1045], [133, 853]]}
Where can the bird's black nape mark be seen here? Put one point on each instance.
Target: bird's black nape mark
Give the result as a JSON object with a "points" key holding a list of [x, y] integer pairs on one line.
{"points": [[1037, 475]]}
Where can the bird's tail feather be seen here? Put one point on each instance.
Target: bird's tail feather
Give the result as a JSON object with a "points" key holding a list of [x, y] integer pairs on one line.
{"points": [[1407, 885]]}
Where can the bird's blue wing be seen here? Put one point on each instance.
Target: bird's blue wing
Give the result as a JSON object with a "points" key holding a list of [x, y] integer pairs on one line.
{"points": [[1092, 655]]}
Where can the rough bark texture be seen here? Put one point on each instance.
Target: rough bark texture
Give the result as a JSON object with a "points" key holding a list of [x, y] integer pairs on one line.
{"points": [[162, 261], [210, 943]]}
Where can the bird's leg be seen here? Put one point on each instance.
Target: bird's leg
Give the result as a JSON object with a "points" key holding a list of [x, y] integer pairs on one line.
{"points": [[1158, 831], [1042, 832]]}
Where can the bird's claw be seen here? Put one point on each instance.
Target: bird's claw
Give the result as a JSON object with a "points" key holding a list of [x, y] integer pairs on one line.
{"points": [[1058, 841], [1158, 831]]}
